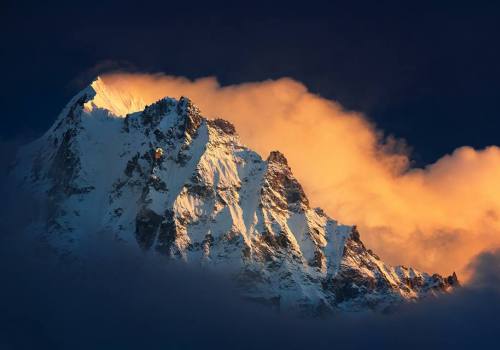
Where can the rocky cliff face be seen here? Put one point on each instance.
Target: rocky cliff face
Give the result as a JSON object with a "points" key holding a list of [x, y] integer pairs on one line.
{"points": [[207, 199]]}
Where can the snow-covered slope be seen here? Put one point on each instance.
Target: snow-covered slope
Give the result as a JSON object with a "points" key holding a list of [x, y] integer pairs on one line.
{"points": [[208, 199]]}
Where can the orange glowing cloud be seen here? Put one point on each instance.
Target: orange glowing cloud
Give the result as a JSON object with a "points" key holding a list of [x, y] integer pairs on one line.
{"points": [[435, 219]]}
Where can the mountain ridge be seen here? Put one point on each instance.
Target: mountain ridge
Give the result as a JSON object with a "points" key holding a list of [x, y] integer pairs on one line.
{"points": [[206, 199]]}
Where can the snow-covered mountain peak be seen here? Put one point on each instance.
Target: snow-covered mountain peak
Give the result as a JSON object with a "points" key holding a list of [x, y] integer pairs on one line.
{"points": [[165, 179], [118, 102]]}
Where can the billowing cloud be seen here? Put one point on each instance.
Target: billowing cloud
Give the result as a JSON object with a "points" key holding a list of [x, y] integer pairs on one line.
{"points": [[434, 218]]}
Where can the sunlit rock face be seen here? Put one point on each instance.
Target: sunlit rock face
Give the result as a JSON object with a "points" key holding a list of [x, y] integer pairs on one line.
{"points": [[168, 181]]}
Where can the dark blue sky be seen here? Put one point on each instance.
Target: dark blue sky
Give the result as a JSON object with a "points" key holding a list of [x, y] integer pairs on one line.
{"points": [[428, 73]]}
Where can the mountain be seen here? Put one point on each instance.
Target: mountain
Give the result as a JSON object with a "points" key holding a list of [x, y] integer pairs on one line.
{"points": [[168, 180]]}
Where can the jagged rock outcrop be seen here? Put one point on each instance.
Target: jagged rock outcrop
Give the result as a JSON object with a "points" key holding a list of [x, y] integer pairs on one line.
{"points": [[208, 199]]}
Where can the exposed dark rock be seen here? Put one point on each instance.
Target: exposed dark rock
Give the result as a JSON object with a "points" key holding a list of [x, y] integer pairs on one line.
{"points": [[281, 180], [350, 284], [317, 260], [168, 234], [283, 240], [277, 157], [223, 125], [200, 190], [160, 137], [183, 157], [132, 164], [355, 234], [191, 115], [152, 114], [65, 163], [246, 252], [157, 183], [207, 243], [453, 280], [147, 223], [65, 168], [126, 124], [373, 254], [415, 282], [320, 211]]}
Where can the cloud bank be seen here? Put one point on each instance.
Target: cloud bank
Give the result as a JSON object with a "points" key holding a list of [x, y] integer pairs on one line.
{"points": [[121, 299], [435, 219]]}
